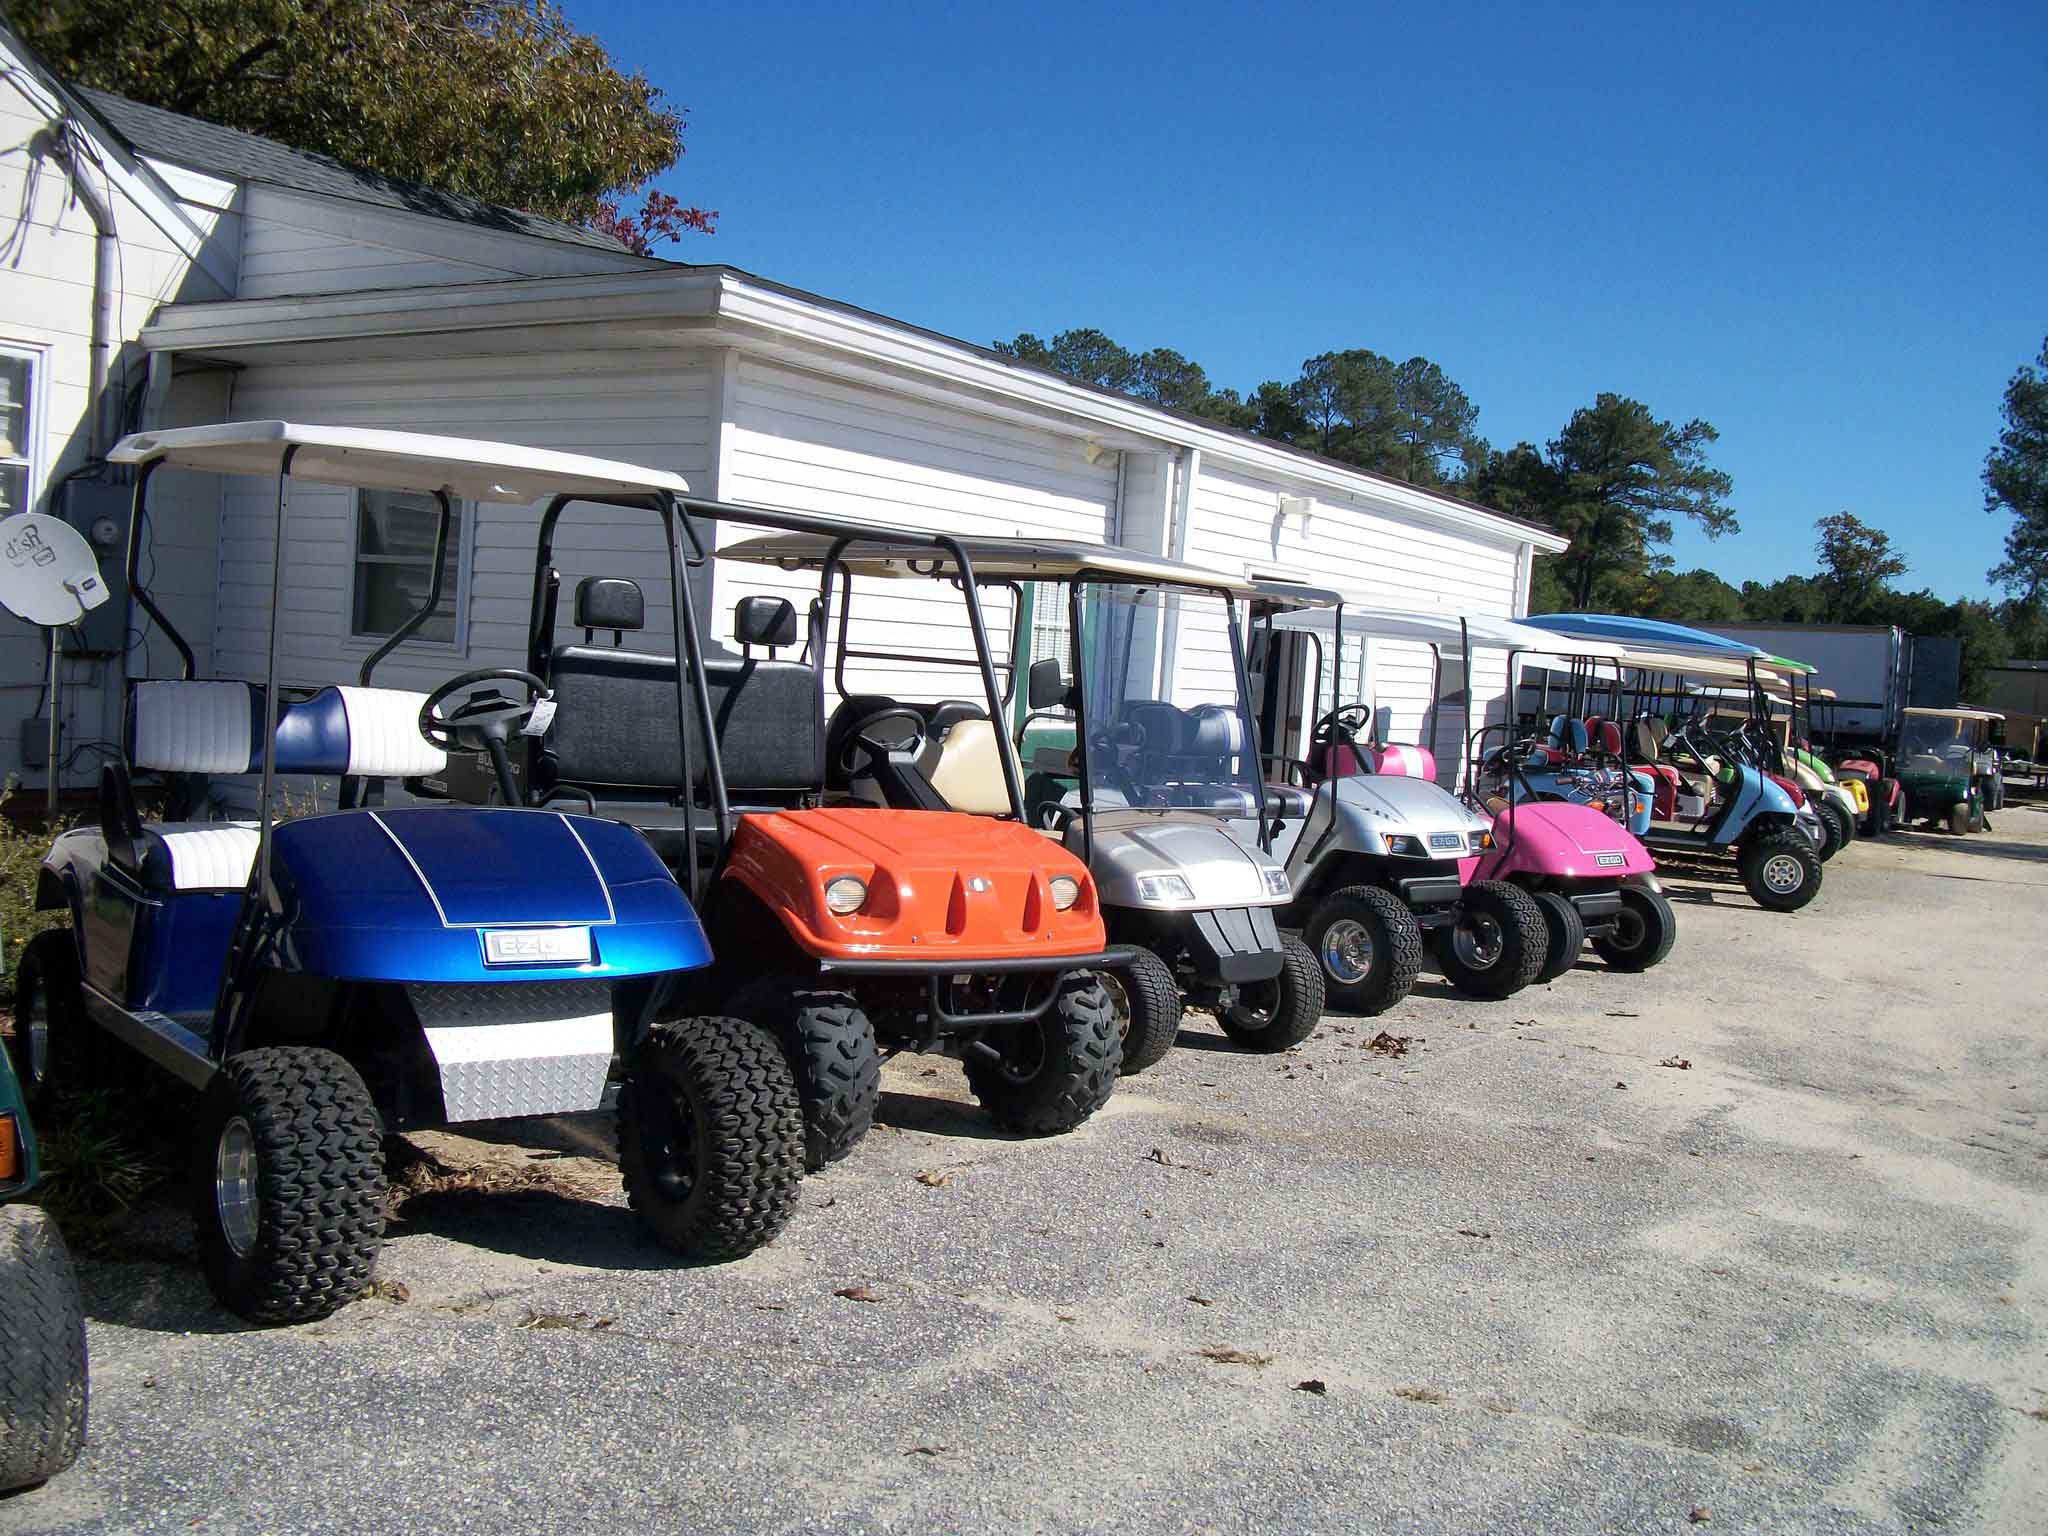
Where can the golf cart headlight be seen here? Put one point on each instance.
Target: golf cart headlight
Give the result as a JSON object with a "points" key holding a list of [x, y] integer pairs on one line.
{"points": [[1066, 890], [1404, 844], [844, 895], [1276, 882], [1164, 888]]}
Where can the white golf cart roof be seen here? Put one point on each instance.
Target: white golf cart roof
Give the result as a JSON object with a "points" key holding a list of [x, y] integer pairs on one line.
{"points": [[1438, 627], [1960, 712], [1006, 559], [467, 468]]}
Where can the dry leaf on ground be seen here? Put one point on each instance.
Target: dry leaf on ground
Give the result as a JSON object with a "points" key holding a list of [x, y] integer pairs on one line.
{"points": [[1228, 1354], [857, 1293], [582, 1320], [1318, 1387], [1160, 1156], [932, 1178], [1676, 1061], [1422, 1394], [1202, 1301]]}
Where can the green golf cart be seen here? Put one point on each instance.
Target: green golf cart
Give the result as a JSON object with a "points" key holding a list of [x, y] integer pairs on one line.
{"points": [[1948, 764]]}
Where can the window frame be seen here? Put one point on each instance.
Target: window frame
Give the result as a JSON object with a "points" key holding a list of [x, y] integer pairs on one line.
{"points": [[37, 357], [464, 518]]}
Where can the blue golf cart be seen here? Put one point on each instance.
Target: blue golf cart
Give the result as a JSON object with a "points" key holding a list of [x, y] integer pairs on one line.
{"points": [[325, 979]]}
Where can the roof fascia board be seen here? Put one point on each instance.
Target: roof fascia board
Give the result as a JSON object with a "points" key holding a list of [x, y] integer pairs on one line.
{"points": [[151, 195]]}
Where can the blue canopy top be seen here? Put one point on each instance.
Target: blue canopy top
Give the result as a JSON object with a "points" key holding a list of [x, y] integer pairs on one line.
{"points": [[1657, 634]]}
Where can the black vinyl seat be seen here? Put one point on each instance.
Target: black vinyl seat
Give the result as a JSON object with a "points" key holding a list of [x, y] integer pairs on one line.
{"points": [[614, 739]]}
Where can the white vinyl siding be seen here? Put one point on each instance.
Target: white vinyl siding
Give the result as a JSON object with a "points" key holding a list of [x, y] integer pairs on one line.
{"points": [[46, 306], [646, 408], [799, 440], [294, 243], [1375, 553]]}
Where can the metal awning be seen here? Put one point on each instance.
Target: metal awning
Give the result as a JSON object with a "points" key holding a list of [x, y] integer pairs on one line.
{"points": [[1004, 559], [468, 468], [1440, 627]]}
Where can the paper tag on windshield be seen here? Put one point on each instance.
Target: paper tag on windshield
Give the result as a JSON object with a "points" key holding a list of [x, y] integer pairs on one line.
{"points": [[542, 717]]}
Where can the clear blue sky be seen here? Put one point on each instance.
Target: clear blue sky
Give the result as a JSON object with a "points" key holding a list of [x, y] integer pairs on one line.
{"points": [[1822, 228]]}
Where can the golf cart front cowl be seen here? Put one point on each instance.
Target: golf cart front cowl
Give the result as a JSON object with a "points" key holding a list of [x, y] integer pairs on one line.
{"points": [[1178, 864], [934, 885], [471, 894], [1562, 840]]}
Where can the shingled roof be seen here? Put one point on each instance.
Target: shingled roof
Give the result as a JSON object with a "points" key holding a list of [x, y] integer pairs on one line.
{"points": [[238, 156]]}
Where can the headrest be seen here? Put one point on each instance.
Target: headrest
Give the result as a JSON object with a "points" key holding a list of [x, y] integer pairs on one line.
{"points": [[193, 727], [1646, 741], [609, 602], [1214, 730], [761, 620], [1607, 736], [1406, 762], [1568, 735]]}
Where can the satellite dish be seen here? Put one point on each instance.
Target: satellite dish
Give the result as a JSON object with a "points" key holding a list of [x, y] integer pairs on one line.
{"points": [[47, 571]]}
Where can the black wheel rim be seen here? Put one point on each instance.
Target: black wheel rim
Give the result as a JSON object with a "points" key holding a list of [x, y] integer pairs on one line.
{"points": [[1629, 930], [1020, 1052], [668, 1136], [33, 1021], [1479, 941], [1257, 1006]]}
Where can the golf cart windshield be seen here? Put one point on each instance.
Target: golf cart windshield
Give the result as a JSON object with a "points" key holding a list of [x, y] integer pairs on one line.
{"points": [[1937, 741], [1168, 723]]}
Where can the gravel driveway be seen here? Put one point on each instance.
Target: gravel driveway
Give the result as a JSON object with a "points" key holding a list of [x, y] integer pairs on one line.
{"points": [[1758, 1241]]}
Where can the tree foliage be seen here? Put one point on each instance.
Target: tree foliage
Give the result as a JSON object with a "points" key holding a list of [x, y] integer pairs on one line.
{"points": [[1856, 563], [2016, 480], [1161, 376], [499, 99]]}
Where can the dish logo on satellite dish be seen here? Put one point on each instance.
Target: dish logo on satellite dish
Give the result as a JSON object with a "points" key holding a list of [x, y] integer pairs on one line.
{"points": [[50, 576]]}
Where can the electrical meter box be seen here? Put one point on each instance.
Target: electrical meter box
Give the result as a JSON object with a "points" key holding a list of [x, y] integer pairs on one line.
{"points": [[100, 510]]}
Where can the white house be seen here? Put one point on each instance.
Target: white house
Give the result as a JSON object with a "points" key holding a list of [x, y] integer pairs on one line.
{"points": [[329, 296]]}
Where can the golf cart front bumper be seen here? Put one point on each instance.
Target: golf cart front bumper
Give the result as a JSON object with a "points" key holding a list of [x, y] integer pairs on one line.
{"points": [[964, 993], [1234, 945], [1432, 898]]}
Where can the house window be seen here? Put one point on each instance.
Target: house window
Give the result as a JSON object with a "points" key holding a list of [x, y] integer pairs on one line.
{"points": [[394, 567], [17, 430]]}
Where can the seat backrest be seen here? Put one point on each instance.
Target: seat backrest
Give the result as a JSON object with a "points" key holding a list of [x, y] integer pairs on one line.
{"points": [[1645, 741], [215, 728], [615, 723], [1568, 735], [969, 774], [1603, 736], [1405, 762]]}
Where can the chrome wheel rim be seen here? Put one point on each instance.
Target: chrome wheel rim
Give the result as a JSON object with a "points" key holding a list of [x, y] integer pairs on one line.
{"points": [[1783, 874], [1119, 1002], [1347, 952], [1478, 941], [234, 1187]]}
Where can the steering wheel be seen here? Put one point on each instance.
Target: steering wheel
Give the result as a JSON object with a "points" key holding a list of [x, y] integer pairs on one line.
{"points": [[861, 736], [1344, 725], [484, 723]]}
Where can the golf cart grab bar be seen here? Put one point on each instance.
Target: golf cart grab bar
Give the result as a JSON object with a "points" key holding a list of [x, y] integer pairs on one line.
{"points": [[137, 512]]}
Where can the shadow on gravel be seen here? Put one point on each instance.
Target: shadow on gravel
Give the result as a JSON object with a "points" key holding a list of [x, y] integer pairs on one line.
{"points": [[535, 1223], [1983, 845], [939, 1117]]}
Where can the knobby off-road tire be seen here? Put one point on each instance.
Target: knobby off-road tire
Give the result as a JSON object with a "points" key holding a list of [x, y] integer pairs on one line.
{"points": [[1770, 881], [1045, 1077], [1369, 947], [711, 1137], [830, 1045], [1148, 1006], [1836, 825], [288, 1184], [1643, 934], [42, 1351], [1278, 1014], [1566, 931], [1498, 943], [52, 1042]]}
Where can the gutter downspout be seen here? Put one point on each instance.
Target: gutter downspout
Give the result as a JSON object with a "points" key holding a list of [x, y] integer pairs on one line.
{"points": [[98, 407]]}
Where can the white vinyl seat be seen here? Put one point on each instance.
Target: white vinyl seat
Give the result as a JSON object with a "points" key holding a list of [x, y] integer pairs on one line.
{"points": [[207, 855]]}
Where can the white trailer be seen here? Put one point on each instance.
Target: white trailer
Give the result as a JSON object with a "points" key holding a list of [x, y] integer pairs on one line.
{"points": [[1868, 667]]}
